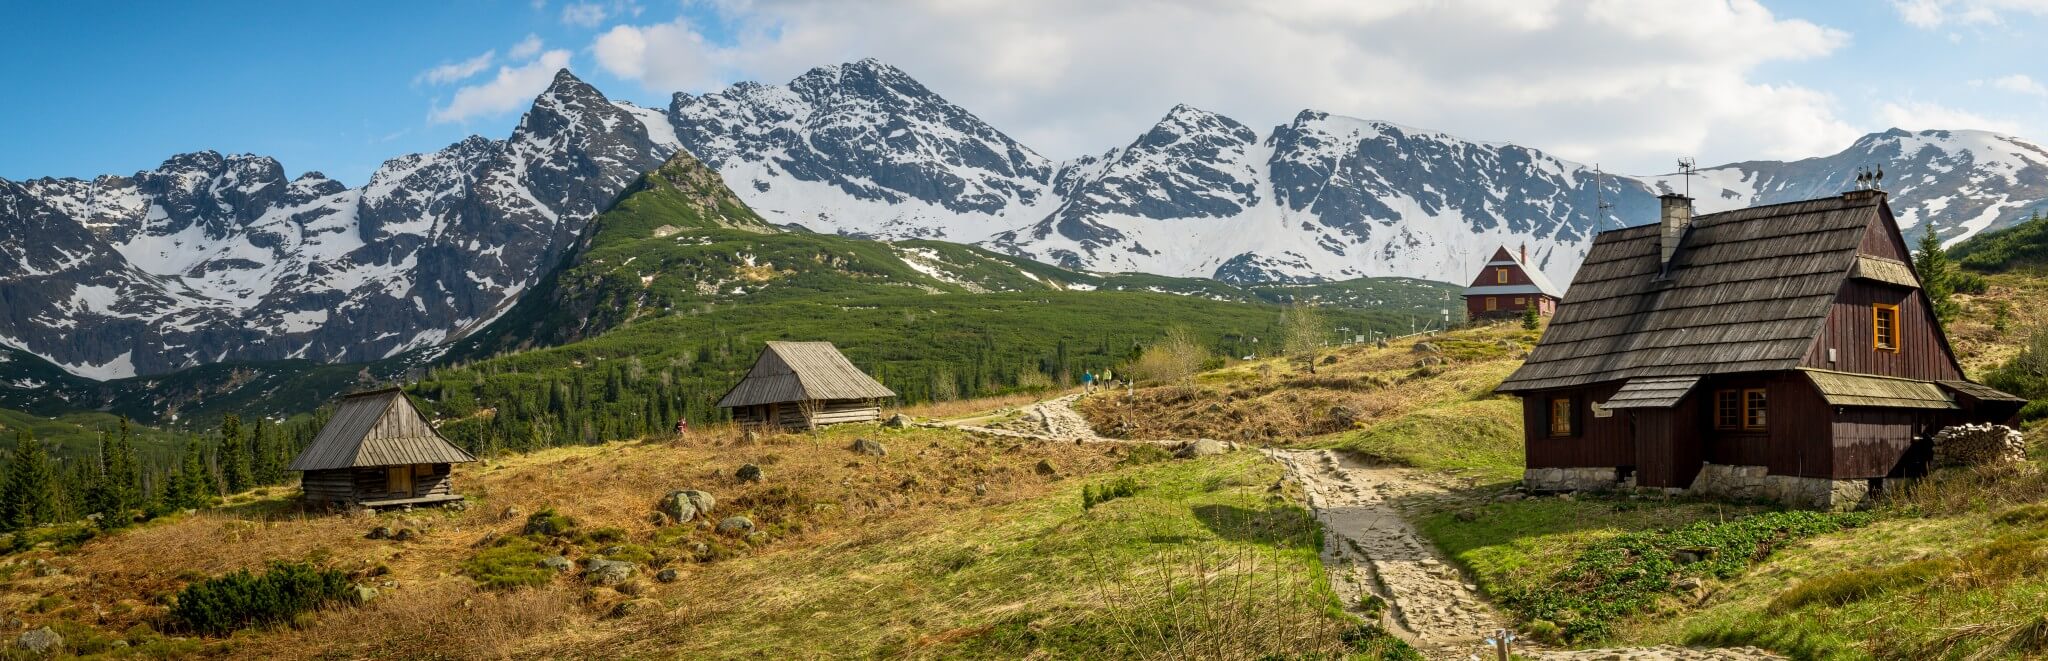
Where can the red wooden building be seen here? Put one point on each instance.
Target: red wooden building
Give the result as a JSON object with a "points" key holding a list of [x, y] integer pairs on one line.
{"points": [[1506, 287], [1781, 352]]}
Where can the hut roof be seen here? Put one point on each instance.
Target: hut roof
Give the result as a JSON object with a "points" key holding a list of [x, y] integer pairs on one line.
{"points": [[802, 371], [1652, 392], [1845, 389], [1538, 283], [1747, 291], [377, 428]]}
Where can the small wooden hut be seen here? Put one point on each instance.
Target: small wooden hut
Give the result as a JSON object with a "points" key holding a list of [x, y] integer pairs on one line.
{"points": [[378, 451], [1507, 287], [804, 385]]}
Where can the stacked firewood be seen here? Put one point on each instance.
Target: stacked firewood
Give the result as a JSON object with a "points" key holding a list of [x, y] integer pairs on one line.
{"points": [[1978, 444]]}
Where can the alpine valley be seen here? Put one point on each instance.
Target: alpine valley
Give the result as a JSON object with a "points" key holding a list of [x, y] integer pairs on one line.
{"points": [[217, 260]]}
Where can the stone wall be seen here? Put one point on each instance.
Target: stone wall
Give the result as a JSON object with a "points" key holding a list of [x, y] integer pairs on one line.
{"points": [[1978, 444], [1756, 483], [1569, 479]]}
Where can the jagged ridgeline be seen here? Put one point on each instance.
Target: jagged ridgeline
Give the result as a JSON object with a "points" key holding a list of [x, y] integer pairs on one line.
{"points": [[668, 295]]}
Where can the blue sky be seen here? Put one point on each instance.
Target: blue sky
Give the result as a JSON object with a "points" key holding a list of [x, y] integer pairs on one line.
{"points": [[340, 88]]}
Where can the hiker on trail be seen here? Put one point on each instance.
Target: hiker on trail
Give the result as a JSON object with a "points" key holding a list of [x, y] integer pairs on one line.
{"points": [[1108, 380], [1087, 382], [682, 427]]}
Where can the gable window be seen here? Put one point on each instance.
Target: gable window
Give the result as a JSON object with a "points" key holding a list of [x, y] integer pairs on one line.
{"points": [[1884, 325], [1500, 275], [1740, 409], [1561, 416], [1492, 304]]}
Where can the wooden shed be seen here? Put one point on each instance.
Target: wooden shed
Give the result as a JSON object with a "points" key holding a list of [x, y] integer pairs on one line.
{"points": [[378, 451], [1781, 351], [804, 385]]}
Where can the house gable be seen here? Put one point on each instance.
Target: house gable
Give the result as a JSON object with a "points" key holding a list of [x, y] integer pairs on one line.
{"points": [[1847, 340]]}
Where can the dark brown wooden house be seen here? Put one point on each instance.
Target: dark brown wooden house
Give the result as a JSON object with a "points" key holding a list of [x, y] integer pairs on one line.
{"points": [[1781, 351], [378, 451], [804, 385], [1506, 287]]}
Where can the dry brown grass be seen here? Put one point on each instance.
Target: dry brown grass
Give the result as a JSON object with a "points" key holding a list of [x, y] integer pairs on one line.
{"points": [[1279, 402], [968, 407], [121, 580]]}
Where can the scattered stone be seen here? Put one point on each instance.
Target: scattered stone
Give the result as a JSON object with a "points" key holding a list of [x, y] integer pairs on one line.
{"points": [[607, 572], [456, 505], [668, 575], [898, 421], [1203, 447], [405, 535], [559, 563], [1979, 444], [40, 641], [750, 437], [736, 524], [869, 447], [981, 488], [1688, 584], [365, 593], [511, 513], [1426, 347], [611, 550], [747, 473], [684, 506], [1045, 467], [1330, 360], [379, 532]]}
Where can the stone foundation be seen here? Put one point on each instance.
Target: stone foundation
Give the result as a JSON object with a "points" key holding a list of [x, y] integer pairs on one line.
{"points": [[1756, 483], [1570, 479]]}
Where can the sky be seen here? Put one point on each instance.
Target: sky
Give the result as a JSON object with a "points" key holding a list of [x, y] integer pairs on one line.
{"points": [[1630, 84]]}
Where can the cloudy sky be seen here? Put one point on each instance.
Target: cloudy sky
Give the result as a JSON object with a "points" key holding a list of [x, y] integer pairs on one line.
{"points": [[1631, 84]]}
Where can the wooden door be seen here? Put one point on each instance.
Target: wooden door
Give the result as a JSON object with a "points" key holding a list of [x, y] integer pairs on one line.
{"points": [[398, 479]]}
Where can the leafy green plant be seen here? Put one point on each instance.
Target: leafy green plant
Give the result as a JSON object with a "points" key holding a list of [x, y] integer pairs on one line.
{"points": [[1092, 495], [230, 602]]}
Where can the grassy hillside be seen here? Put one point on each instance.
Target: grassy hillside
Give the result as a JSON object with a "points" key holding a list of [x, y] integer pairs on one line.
{"points": [[948, 546], [2022, 246]]}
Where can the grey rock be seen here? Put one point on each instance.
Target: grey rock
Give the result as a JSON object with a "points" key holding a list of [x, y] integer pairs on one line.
{"points": [[1425, 347], [607, 572], [40, 641], [559, 563], [379, 532], [686, 505], [1045, 467], [736, 524], [898, 421], [668, 575], [747, 473], [365, 593], [869, 447], [1200, 448]]}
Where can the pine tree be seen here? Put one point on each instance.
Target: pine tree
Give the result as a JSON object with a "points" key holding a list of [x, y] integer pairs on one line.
{"points": [[265, 465], [122, 483], [1531, 319], [233, 455], [1937, 276], [30, 498]]}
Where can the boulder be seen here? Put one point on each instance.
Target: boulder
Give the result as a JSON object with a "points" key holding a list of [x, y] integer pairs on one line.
{"points": [[869, 447], [668, 575], [736, 524], [684, 506], [559, 563], [607, 572], [405, 535], [748, 473], [1426, 347], [43, 641], [365, 593], [1203, 447], [898, 421], [379, 532], [1045, 467], [1330, 360]]}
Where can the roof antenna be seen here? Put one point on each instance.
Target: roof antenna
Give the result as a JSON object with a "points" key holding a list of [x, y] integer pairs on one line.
{"points": [[1600, 205], [1685, 169]]}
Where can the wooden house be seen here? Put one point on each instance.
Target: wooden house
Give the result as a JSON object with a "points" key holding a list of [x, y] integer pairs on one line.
{"points": [[1781, 352], [1506, 287], [378, 451], [804, 385]]}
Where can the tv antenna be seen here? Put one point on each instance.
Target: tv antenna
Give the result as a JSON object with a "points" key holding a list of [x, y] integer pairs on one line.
{"points": [[1685, 169], [1600, 204]]}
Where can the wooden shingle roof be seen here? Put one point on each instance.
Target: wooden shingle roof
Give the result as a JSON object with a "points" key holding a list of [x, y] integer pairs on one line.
{"points": [[802, 371], [1747, 291], [1652, 392], [1845, 389], [377, 428]]}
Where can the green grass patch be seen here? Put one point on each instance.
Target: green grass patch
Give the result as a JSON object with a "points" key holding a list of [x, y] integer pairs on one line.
{"points": [[1482, 437], [1121, 487], [509, 562]]}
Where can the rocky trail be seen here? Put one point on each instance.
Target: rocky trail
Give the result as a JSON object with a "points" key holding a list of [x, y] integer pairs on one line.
{"points": [[1371, 550]]}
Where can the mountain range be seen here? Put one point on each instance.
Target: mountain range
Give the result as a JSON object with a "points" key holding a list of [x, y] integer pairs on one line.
{"points": [[214, 258]]}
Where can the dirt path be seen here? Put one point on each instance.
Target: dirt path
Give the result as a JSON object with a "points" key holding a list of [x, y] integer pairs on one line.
{"points": [[1052, 420], [1372, 550]]}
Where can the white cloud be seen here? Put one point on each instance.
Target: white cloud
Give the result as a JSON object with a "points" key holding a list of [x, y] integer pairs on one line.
{"points": [[584, 14], [2020, 83], [1069, 77], [449, 72], [526, 48], [512, 89], [1914, 115], [1929, 14]]}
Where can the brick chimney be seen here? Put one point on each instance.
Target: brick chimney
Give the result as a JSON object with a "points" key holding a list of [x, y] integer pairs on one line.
{"points": [[1673, 222], [1525, 253]]}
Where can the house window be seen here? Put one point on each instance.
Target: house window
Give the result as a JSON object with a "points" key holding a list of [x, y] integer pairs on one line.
{"points": [[1884, 327], [1500, 275], [1740, 409], [1560, 416], [1753, 409], [1519, 301], [1492, 304], [1727, 409]]}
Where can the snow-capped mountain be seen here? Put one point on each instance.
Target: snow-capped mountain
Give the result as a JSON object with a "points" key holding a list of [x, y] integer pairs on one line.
{"points": [[209, 258], [212, 258]]}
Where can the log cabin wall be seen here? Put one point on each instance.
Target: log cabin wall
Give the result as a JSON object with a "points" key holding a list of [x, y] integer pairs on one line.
{"points": [[1874, 442], [1597, 441], [1849, 330]]}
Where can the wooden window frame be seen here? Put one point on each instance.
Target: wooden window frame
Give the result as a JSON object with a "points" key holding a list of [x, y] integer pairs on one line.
{"points": [[1500, 275], [1728, 415], [1492, 303], [1765, 410], [1570, 418], [1878, 340]]}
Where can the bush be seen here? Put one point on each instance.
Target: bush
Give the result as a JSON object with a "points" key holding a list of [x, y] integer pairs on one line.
{"points": [[1092, 495], [233, 601], [510, 562], [1174, 359], [547, 522], [1144, 453]]}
